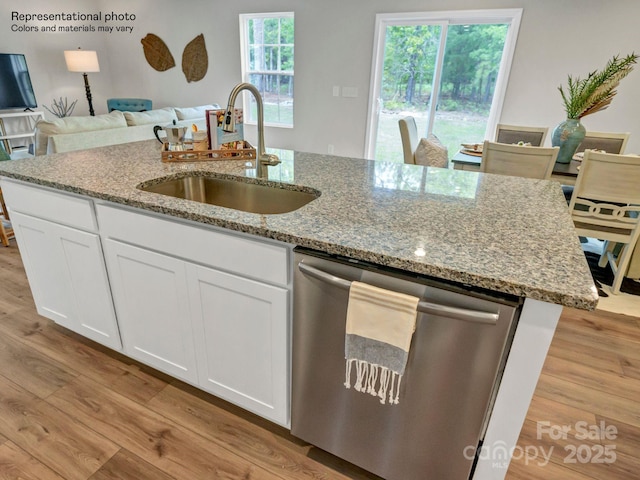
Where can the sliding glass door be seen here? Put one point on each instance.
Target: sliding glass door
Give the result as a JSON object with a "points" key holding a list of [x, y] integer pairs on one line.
{"points": [[446, 69]]}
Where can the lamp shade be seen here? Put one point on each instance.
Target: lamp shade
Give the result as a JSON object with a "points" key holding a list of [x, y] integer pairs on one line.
{"points": [[82, 60]]}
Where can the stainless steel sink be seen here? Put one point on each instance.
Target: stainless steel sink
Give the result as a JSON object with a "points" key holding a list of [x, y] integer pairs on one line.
{"points": [[236, 194]]}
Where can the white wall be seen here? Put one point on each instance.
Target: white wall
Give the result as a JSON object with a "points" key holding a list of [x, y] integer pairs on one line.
{"points": [[333, 47]]}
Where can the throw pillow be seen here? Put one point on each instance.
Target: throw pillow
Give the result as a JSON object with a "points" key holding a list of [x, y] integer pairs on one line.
{"points": [[431, 152], [194, 112], [161, 116]]}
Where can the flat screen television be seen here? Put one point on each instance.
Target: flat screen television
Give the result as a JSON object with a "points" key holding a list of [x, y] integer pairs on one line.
{"points": [[16, 90]]}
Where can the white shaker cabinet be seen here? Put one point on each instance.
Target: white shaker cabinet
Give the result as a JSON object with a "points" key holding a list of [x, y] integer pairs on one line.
{"points": [[152, 303], [241, 340], [209, 307], [200, 303], [64, 264]]}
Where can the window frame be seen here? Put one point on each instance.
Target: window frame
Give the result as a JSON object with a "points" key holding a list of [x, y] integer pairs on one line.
{"points": [[510, 16], [246, 72]]}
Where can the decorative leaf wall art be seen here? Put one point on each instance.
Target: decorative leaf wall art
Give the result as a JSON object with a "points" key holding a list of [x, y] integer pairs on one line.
{"points": [[195, 61], [157, 53]]}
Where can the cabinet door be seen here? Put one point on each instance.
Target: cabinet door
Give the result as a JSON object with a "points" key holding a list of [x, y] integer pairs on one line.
{"points": [[68, 278], [242, 337], [150, 295]]}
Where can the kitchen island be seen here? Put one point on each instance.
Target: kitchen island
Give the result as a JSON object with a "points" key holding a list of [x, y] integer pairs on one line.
{"points": [[492, 233]]}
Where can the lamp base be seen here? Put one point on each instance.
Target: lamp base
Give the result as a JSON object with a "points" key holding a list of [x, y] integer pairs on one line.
{"points": [[88, 90]]}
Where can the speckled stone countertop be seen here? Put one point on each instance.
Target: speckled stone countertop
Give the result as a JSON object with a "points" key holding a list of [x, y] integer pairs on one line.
{"points": [[500, 233]]}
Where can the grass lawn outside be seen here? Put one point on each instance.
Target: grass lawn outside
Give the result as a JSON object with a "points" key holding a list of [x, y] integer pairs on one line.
{"points": [[452, 128]]}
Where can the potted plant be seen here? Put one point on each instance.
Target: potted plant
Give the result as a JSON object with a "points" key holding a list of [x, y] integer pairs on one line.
{"points": [[61, 108], [584, 97]]}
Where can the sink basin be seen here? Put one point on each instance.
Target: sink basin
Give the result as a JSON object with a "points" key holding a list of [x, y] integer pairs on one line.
{"points": [[236, 194]]}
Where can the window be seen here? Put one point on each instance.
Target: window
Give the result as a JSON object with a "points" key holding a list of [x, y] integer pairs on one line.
{"points": [[446, 69], [267, 63]]}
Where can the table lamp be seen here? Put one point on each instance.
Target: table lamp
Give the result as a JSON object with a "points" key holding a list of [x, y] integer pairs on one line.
{"points": [[83, 61]]}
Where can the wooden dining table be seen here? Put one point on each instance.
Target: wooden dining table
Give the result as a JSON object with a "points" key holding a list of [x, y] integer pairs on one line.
{"points": [[565, 173]]}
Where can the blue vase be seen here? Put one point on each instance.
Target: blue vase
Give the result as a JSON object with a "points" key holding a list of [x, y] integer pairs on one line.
{"points": [[568, 135]]}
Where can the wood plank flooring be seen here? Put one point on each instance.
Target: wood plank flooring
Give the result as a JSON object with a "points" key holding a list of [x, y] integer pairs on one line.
{"points": [[589, 383], [72, 409]]}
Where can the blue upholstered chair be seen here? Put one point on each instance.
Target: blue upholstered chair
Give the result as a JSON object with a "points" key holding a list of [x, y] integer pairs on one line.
{"points": [[129, 104]]}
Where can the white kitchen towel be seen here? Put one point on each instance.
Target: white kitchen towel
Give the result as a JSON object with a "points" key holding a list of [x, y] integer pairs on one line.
{"points": [[380, 325]]}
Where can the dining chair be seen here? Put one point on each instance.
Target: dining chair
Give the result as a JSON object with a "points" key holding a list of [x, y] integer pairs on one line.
{"points": [[518, 133], [518, 160], [427, 151], [410, 139], [606, 205], [610, 142]]}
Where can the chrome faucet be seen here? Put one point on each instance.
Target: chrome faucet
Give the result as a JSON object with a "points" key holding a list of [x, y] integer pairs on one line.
{"points": [[263, 159]]}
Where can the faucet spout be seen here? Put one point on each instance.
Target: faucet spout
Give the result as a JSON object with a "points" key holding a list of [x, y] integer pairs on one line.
{"points": [[263, 159]]}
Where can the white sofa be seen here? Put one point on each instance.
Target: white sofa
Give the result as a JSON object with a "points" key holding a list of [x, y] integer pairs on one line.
{"points": [[79, 133]]}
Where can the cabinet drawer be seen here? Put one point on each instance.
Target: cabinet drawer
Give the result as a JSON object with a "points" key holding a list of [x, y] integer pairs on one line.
{"points": [[42, 203], [235, 252]]}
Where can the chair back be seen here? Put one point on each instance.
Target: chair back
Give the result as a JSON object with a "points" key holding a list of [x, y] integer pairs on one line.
{"points": [[409, 136], [607, 177], [605, 204], [515, 133], [129, 104], [606, 198], [517, 160], [607, 141]]}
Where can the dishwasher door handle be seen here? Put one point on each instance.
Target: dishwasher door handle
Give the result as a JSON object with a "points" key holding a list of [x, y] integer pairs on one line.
{"points": [[456, 313]]}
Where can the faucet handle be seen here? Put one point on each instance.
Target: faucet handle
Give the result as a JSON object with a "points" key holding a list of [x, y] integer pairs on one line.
{"points": [[229, 122], [269, 159]]}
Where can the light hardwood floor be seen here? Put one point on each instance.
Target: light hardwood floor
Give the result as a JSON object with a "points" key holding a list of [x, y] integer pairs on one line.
{"points": [[71, 409]]}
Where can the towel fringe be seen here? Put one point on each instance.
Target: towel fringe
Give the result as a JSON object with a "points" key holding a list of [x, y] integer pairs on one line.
{"points": [[393, 380], [347, 375], [374, 379], [361, 378], [397, 399], [385, 375]]}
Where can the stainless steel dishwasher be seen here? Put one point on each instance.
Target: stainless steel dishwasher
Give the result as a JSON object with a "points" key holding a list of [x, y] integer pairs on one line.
{"points": [[455, 362]]}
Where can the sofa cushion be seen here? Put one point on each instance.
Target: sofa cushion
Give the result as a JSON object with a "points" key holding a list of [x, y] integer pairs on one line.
{"points": [[194, 112], [161, 116], [80, 141], [45, 128]]}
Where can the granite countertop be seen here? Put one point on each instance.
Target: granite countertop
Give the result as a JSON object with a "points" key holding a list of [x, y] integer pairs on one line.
{"points": [[505, 234]]}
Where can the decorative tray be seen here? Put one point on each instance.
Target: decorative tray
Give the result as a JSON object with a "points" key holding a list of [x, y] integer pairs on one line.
{"points": [[245, 153]]}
